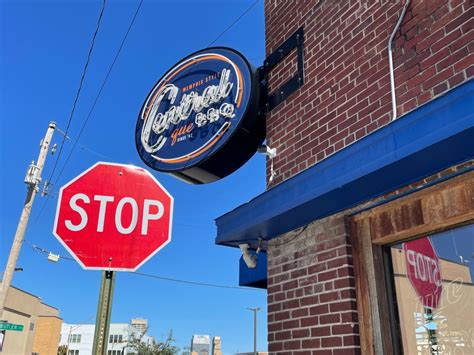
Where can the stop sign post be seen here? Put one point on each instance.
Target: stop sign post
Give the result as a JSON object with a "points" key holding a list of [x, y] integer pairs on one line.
{"points": [[112, 217]]}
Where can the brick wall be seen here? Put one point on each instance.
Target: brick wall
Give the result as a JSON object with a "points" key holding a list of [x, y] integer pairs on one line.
{"points": [[311, 291], [346, 94]]}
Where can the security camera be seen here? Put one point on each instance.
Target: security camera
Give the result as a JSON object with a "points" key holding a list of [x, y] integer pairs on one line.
{"points": [[250, 260], [266, 150]]}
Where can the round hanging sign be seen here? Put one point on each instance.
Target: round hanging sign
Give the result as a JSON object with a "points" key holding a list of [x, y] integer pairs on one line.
{"points": [[200, 121]]}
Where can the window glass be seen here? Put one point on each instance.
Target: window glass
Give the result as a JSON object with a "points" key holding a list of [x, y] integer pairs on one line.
{"points": [[433, 280]]}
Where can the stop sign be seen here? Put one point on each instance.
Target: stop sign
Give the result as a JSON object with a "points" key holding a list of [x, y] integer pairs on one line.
{"points": [[424, 271], [113, 217]]}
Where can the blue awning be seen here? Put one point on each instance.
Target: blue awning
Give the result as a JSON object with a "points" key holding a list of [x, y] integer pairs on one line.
{"points": [[427, 140]]}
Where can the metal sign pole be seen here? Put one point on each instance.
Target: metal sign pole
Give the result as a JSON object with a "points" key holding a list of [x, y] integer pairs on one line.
{"points": [[432, 339], [104, 310]]}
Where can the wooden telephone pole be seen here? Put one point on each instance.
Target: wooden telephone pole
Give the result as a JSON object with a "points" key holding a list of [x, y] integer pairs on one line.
{"points": [[32, 179]]}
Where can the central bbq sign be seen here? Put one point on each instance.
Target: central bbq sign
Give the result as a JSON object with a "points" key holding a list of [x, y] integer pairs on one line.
{"points": [[200, 121]]}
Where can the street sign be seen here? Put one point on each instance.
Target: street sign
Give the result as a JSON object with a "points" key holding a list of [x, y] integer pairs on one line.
{"points": [[11, 326], [424, 271], [113, 217]]}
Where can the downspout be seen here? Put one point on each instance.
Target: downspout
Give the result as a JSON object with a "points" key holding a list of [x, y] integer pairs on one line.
{"points": [[390, 60]]}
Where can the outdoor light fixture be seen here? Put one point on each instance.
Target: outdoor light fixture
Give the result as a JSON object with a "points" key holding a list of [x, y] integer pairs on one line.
{"points": [[250, 260], [266, 150]]}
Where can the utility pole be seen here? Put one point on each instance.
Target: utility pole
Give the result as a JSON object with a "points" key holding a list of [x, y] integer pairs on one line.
{"points": [[32, 179], [254, 310]]}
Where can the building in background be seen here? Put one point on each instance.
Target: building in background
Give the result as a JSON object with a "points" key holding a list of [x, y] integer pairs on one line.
{"points": [[216, 345], [200, 344], [374, 145], [79, 338], [41, 324], [140, 324]]}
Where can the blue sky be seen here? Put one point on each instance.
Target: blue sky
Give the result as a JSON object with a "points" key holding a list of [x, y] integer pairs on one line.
{"points": [[43, 46]]}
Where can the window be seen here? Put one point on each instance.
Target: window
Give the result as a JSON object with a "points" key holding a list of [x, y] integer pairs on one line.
{"points": [[432, 279], [114, 352], [74, 338], [73, 352], [32, 326], [115, 338]]}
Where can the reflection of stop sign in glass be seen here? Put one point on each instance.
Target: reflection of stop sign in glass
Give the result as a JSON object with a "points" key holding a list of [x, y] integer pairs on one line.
{"points": [[423, 271], [113, 217]]}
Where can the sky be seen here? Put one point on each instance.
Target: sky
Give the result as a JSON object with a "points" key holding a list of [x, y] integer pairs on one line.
{"points": [[43, 49]]}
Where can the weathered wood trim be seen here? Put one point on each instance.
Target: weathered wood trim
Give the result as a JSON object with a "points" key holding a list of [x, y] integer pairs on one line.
{"points": [[372, 304], [431, 210]]}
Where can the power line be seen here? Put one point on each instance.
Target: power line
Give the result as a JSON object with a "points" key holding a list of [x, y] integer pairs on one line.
{"points": [[101, 89], [193, 282], [85, 148], [233, 23], [76, 141], [171, 279], [78, 93]]}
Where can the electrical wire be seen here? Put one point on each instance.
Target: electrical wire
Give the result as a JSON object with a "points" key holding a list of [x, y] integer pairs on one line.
{"points": [[104, 82], [233, 23], [78, 93], [85, 148], [194, 282], [91, 110], [171, 279]]}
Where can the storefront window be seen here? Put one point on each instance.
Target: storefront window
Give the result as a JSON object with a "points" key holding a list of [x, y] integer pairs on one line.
{"points": [[432, 278]]}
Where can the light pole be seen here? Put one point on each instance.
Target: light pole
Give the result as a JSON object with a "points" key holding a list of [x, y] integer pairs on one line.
{"points": [[254, 310]]}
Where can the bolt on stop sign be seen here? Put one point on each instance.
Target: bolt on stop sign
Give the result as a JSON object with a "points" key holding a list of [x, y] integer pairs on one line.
{"points": [[113, 217]]}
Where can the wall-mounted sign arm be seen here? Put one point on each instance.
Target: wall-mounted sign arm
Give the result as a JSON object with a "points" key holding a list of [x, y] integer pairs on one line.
{"points": [[296, 40]]}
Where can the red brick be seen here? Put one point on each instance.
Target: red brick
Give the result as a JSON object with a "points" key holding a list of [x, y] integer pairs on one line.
{"points": [[328, 297], [302, 312], [342, 306], [322, 352], [346, 351], [344, 329], [300, 333], [331, 342], [291, 324], [309, 321], [351, 340], [311, 343], [283, 335], [320, 331], [273, 347], [292, 345]]}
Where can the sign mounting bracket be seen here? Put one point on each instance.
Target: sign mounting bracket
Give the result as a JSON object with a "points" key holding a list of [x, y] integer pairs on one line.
{"points": [[296, 40]]}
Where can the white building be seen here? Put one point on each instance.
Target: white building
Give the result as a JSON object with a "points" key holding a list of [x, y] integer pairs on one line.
{"points": [[79, 338]]}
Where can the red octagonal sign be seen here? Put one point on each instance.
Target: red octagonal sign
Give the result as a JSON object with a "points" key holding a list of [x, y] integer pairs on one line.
{"points": [[424, 271], [113, 217]]}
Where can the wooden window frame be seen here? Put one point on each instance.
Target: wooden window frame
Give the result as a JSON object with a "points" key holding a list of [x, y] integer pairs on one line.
{"points": [[446, 205]]}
